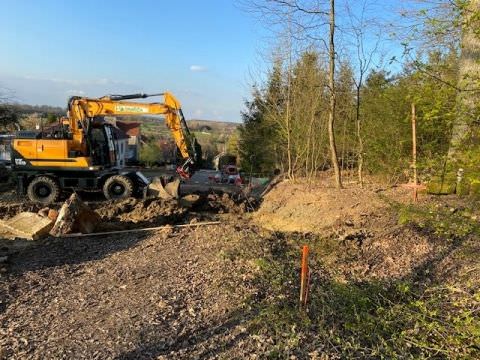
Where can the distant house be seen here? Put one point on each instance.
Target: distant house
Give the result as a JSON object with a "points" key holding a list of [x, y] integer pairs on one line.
{"points": [[132, 129]]}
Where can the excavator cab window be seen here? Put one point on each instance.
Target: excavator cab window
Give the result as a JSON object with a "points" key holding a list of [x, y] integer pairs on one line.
{"points": [[99, 147]]}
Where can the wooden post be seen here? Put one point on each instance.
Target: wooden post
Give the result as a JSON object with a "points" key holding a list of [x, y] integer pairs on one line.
{"points": [[414, 153], [304, 275]]}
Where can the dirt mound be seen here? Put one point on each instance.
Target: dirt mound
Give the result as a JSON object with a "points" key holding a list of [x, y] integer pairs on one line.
{"points": [[357, 229], [222, 203], [132, 212], [316, 208], [8, 210]]}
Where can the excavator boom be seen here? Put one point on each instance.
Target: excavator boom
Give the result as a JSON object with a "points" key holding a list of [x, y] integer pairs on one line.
{"points": [[82, 109]]}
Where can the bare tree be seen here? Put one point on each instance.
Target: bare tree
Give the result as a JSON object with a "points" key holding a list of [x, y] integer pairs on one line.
{"points": [[307, 23], [359, 26], [331, 84]]}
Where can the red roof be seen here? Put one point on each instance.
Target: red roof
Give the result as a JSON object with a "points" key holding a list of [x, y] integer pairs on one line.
{"points": [[130, 128]]}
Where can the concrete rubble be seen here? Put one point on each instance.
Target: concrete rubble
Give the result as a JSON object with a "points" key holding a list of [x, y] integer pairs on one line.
{"points": [[26, 225], [74, 216]]}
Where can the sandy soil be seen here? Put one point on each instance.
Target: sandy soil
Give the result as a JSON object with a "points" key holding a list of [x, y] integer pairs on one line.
{"points": [[316, 208]]}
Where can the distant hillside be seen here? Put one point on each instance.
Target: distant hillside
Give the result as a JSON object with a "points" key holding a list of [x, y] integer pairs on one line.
{"points": [[214, 136], [155, 126], [221, 126], [38, 109]]}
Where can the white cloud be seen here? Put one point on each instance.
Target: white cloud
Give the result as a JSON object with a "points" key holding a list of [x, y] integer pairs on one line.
{"points": [[198, 68]]}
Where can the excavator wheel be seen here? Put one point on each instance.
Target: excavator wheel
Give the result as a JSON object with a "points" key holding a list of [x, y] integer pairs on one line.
{"points": [[43, 189], [118, 187]]}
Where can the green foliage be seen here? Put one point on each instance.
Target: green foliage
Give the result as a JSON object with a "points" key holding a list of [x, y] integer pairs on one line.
{"points": [[51, 118], [387, 113], [258, 138], [151, 153], [439, 186], [448, 223], [288, 118], [7, 116], [233, 144]]}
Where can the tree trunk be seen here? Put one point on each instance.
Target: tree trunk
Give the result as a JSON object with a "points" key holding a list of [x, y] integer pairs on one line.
{"points": [[468, 81], [331, 117], [359, 134]]}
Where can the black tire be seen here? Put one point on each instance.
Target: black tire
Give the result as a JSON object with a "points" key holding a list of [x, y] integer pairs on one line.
{"points": [[43, 190], [118, 187]]}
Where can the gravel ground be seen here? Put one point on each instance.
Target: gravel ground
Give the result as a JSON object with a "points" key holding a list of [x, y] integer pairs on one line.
{"points": [[172, 294]]}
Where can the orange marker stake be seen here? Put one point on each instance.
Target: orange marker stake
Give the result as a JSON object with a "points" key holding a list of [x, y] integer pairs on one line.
{"points": [[304, 277]]}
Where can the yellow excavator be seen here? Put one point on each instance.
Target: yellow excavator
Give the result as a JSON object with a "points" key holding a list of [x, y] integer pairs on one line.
{"points": [[80, 154]]}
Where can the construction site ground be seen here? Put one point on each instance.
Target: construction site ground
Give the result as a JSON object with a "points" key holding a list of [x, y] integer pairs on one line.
{"points": [[230, 290]]}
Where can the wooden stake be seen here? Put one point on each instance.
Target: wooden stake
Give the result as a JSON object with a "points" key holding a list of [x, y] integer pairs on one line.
{"points": [[142, 229], [304, 277], [414, 153]]}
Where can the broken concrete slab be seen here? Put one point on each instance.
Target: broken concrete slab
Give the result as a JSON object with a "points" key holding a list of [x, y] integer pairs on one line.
{"points": [[26, 225], [75, 216]]}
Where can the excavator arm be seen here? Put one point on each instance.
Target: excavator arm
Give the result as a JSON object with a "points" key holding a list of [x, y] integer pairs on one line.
{"points": [[83, 110]]}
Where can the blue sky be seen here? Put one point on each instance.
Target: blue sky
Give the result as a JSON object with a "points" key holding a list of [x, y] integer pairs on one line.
{"points": [[202, 51], [207, 52]]}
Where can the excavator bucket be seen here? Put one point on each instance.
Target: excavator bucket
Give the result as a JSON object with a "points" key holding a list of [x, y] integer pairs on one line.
{"points": [[168, 191], [172, 188]]}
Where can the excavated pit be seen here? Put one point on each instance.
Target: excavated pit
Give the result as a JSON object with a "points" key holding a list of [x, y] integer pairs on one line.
{"points": [[136, 213]]}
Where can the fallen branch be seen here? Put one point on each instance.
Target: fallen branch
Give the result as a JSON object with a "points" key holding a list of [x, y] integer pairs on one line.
{"points": [[142, 229]]}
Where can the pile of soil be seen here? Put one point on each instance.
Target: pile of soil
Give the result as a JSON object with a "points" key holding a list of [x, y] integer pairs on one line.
{"points": [[130, 213], [10, 209], [135, 213], [356, 230], [223, 203], [316, 208]]}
